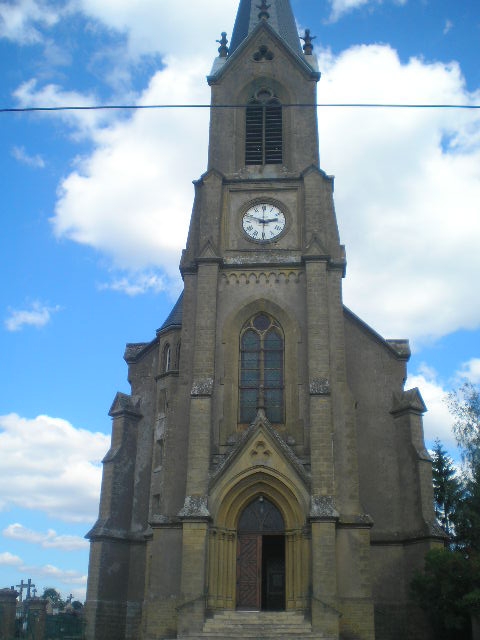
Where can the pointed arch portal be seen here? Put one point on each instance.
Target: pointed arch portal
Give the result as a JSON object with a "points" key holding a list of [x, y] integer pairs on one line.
{"points": [[259, 549]]}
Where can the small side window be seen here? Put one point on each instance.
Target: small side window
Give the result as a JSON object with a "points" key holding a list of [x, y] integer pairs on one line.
{"points": [[166, 359]]}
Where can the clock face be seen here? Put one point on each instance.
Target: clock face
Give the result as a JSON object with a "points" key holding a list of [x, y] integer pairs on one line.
{"points": [[263, 222]]}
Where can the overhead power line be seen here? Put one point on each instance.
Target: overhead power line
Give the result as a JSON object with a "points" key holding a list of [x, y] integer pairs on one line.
{"points": [[131, 107]]}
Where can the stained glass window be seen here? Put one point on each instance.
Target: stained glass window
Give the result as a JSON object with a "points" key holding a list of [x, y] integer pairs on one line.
{"points": [[261, 369], [261, 516]]}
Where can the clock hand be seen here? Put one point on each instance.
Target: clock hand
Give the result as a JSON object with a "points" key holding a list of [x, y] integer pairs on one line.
{"points": [[269, 220], [262, 220]]}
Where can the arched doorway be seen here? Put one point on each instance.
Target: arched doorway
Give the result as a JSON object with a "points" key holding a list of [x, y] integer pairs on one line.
{"points": [[261, 557]]}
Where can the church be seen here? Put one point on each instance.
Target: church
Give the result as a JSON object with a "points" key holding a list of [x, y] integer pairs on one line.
{"points": [[267, 476]]}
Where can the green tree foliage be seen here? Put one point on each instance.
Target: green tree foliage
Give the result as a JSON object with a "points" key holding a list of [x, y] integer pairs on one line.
{"points": [[49, 593], [467, 515], [447, 488], [449, 589], [464, 405], [449, 592]]}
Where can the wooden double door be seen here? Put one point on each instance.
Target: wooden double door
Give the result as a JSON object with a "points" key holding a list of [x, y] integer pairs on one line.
{"points": [[261, 559]]}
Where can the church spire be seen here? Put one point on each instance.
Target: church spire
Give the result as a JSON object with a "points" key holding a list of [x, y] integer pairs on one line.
{"points": [[278, 14]]}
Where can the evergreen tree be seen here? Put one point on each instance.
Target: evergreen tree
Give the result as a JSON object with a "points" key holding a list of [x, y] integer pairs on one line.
{"points": [[446, 486]]}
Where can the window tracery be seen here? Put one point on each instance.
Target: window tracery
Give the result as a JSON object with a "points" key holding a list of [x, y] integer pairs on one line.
{"points": [[261, 369]]}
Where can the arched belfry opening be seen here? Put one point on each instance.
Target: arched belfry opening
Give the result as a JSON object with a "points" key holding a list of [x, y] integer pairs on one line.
{"points": [[261, 557], [264, 129]]}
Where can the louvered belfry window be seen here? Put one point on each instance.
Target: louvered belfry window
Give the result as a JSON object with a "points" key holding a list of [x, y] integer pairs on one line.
{"points": [[264, 129], [261, 369]]}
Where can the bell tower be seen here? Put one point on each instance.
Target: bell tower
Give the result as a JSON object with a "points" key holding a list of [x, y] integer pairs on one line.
{"points": [[268, 461]]}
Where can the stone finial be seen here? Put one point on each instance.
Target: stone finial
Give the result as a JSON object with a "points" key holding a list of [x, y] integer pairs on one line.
{"points": [[264, 7], [223, 49], [308, 39]]}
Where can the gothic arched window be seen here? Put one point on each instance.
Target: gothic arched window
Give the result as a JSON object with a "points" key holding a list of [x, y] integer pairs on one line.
{"points": [[166, 359], [261, 369], [177, 355], [264, 129]]}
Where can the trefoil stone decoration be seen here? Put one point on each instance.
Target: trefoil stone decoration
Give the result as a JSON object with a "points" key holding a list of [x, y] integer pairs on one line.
{"points": [[264, 7], [260, 452], [263, 53], [223, 49], [308, 40], [320, 387], [202, 387]]}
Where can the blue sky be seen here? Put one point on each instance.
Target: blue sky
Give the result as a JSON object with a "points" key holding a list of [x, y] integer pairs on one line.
{"points": [[95, 209]]}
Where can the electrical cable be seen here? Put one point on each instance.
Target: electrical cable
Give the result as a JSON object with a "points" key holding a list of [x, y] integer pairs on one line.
{"points": [[128, 107]]}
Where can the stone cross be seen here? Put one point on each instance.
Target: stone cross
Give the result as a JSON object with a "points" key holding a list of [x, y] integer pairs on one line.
{"points": [[30, 586], [21, 586]]}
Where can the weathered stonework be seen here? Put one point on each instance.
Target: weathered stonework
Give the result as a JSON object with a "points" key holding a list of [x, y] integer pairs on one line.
{"points": [[323, 507], [195, 507], [8, 603], [202, 387], [320, 387]]}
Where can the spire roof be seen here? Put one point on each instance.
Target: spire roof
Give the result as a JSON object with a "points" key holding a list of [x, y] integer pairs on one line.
{"points": [[280, 18]]}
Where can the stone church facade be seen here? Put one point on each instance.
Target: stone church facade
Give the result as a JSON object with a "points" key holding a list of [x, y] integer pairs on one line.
{"points": [[268, 461]]}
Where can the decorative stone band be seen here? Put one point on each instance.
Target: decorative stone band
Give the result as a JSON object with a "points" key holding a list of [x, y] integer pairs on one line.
{"points": [[202, 387], [195, 507], [320, 387], [323, 508]]}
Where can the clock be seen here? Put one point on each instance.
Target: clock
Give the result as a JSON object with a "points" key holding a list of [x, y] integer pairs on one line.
{"points": [[263, 222]]}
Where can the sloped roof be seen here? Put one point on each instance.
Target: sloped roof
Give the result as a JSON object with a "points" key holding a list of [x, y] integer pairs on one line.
{"points": [[281, 19], [175, 317]]}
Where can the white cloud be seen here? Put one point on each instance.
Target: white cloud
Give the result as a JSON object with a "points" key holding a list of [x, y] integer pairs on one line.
{"points": [[407, 191], [136, 284], [64, 576], [448, 27], [131, 197], [84, 122], [22, 21], [9, 560], [340, 7], [20, 154], [159, 26], [46, 464], [470, 370], [37, 316], [48, 540], [437, 422]]}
